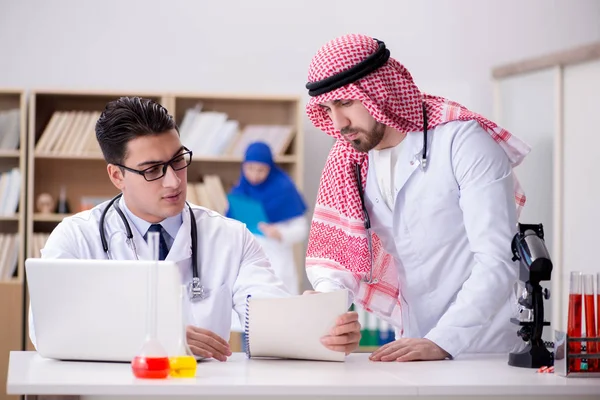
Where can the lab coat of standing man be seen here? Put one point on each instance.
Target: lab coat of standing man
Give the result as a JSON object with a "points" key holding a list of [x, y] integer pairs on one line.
{"points": [[148, 164], [439, 197]]}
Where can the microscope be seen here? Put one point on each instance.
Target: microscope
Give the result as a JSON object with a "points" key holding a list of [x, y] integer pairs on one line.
{"points": [[529, 248]]}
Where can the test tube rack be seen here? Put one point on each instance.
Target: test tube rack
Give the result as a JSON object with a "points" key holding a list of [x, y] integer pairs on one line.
{"points": [[562, 355]]}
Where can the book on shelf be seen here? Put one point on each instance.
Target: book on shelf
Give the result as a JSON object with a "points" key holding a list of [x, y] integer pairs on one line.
{"points": [[70, 133], [292, 327], [209, 193], [9, 248], [37, 244], [278, 137], [10, 189], [212, 133], [10, 129]]}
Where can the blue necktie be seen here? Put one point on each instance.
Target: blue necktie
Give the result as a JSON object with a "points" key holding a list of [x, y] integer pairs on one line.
{"points": [[163, 250]]}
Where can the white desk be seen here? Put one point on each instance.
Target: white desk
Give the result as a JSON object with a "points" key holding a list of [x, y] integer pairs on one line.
{"points": [[481, 376]]}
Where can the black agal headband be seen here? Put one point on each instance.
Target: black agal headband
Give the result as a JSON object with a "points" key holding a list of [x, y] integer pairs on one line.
{"points": [[360, 70]]}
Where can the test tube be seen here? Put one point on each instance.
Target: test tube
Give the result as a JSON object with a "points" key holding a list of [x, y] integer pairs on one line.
{"points": [[590, 318], [574, 320], [597, 320]]}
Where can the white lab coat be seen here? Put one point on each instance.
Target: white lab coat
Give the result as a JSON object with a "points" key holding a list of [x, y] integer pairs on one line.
{"points": [[281, 252], [450, 237], [231, 263]]}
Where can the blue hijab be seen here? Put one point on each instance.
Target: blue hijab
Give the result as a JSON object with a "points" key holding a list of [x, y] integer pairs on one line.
{"points": [[277, 194]]}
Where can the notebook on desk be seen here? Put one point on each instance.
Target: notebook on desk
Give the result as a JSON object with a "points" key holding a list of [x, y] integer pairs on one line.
{"points": [[292, 327], [247, 210]]}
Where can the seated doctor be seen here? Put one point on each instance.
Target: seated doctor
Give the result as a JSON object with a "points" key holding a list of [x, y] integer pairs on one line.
{"points": [[148, 164]]}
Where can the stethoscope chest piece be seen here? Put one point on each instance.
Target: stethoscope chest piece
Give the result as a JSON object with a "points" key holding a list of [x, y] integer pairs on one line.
{"points": [[197, 291]]}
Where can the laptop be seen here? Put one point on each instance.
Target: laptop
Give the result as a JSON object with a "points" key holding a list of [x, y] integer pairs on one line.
{"points": [[95, 310]]}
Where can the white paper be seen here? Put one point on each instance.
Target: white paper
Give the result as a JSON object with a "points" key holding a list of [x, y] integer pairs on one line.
{"points": [[292, 327]]}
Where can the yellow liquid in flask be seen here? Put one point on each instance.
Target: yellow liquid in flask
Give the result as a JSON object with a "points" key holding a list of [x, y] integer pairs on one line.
{"points": [[182, 366]]}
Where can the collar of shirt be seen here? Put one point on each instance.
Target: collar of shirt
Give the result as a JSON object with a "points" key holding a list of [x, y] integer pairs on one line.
{"points": [[171, 225]]}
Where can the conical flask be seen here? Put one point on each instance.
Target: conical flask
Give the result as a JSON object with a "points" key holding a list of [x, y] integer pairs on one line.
{"points": [[152, 361], [183, 363]]}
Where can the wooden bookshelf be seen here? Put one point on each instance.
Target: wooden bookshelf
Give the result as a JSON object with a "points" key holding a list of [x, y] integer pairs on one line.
{"points": [[10, 153], [11, 289], [84, 173]]}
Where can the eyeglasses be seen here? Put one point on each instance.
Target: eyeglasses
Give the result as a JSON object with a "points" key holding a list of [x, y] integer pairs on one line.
{"points": [[179, 162], [367, 225]]}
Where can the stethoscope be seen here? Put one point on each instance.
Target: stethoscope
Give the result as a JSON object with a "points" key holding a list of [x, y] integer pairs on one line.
{"points": [[367, 220], [196, 290]]}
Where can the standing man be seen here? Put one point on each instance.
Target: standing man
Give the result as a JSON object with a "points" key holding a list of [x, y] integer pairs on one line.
{"points": [[439, 197]]}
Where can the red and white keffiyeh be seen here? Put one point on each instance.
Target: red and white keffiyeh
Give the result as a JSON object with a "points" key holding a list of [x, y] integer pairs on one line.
{"points": [[337, 236]]}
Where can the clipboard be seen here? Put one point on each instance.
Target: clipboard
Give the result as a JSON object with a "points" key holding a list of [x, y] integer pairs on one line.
{"points": [[247, 210]]}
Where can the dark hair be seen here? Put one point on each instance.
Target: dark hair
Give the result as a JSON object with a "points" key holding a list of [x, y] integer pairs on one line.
{"points": [[128, 118]]}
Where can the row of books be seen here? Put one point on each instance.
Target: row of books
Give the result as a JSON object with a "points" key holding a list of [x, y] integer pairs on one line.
{"points": [[212, 133], [37, 244], [10, 189], [9, 249], [10, 129], [70, 133], [206, 133], [209, 193]]}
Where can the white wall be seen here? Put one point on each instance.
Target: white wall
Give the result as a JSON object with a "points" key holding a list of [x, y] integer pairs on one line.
{"points": [[265, 46]]}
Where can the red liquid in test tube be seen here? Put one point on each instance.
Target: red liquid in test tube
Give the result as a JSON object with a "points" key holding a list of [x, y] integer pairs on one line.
{"points": [[598, 319], [590, 319], [574, 320]]}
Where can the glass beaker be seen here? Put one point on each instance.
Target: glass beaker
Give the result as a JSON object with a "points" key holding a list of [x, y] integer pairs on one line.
{"points": [[574, 319], [152, 361], [183, 363]]}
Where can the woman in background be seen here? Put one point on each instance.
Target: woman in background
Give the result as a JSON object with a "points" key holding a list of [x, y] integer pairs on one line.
{"points": [[262, 180]]}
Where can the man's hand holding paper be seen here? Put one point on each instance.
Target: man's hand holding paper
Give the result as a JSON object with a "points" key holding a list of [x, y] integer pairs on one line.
{"points": [[345, 335]]}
